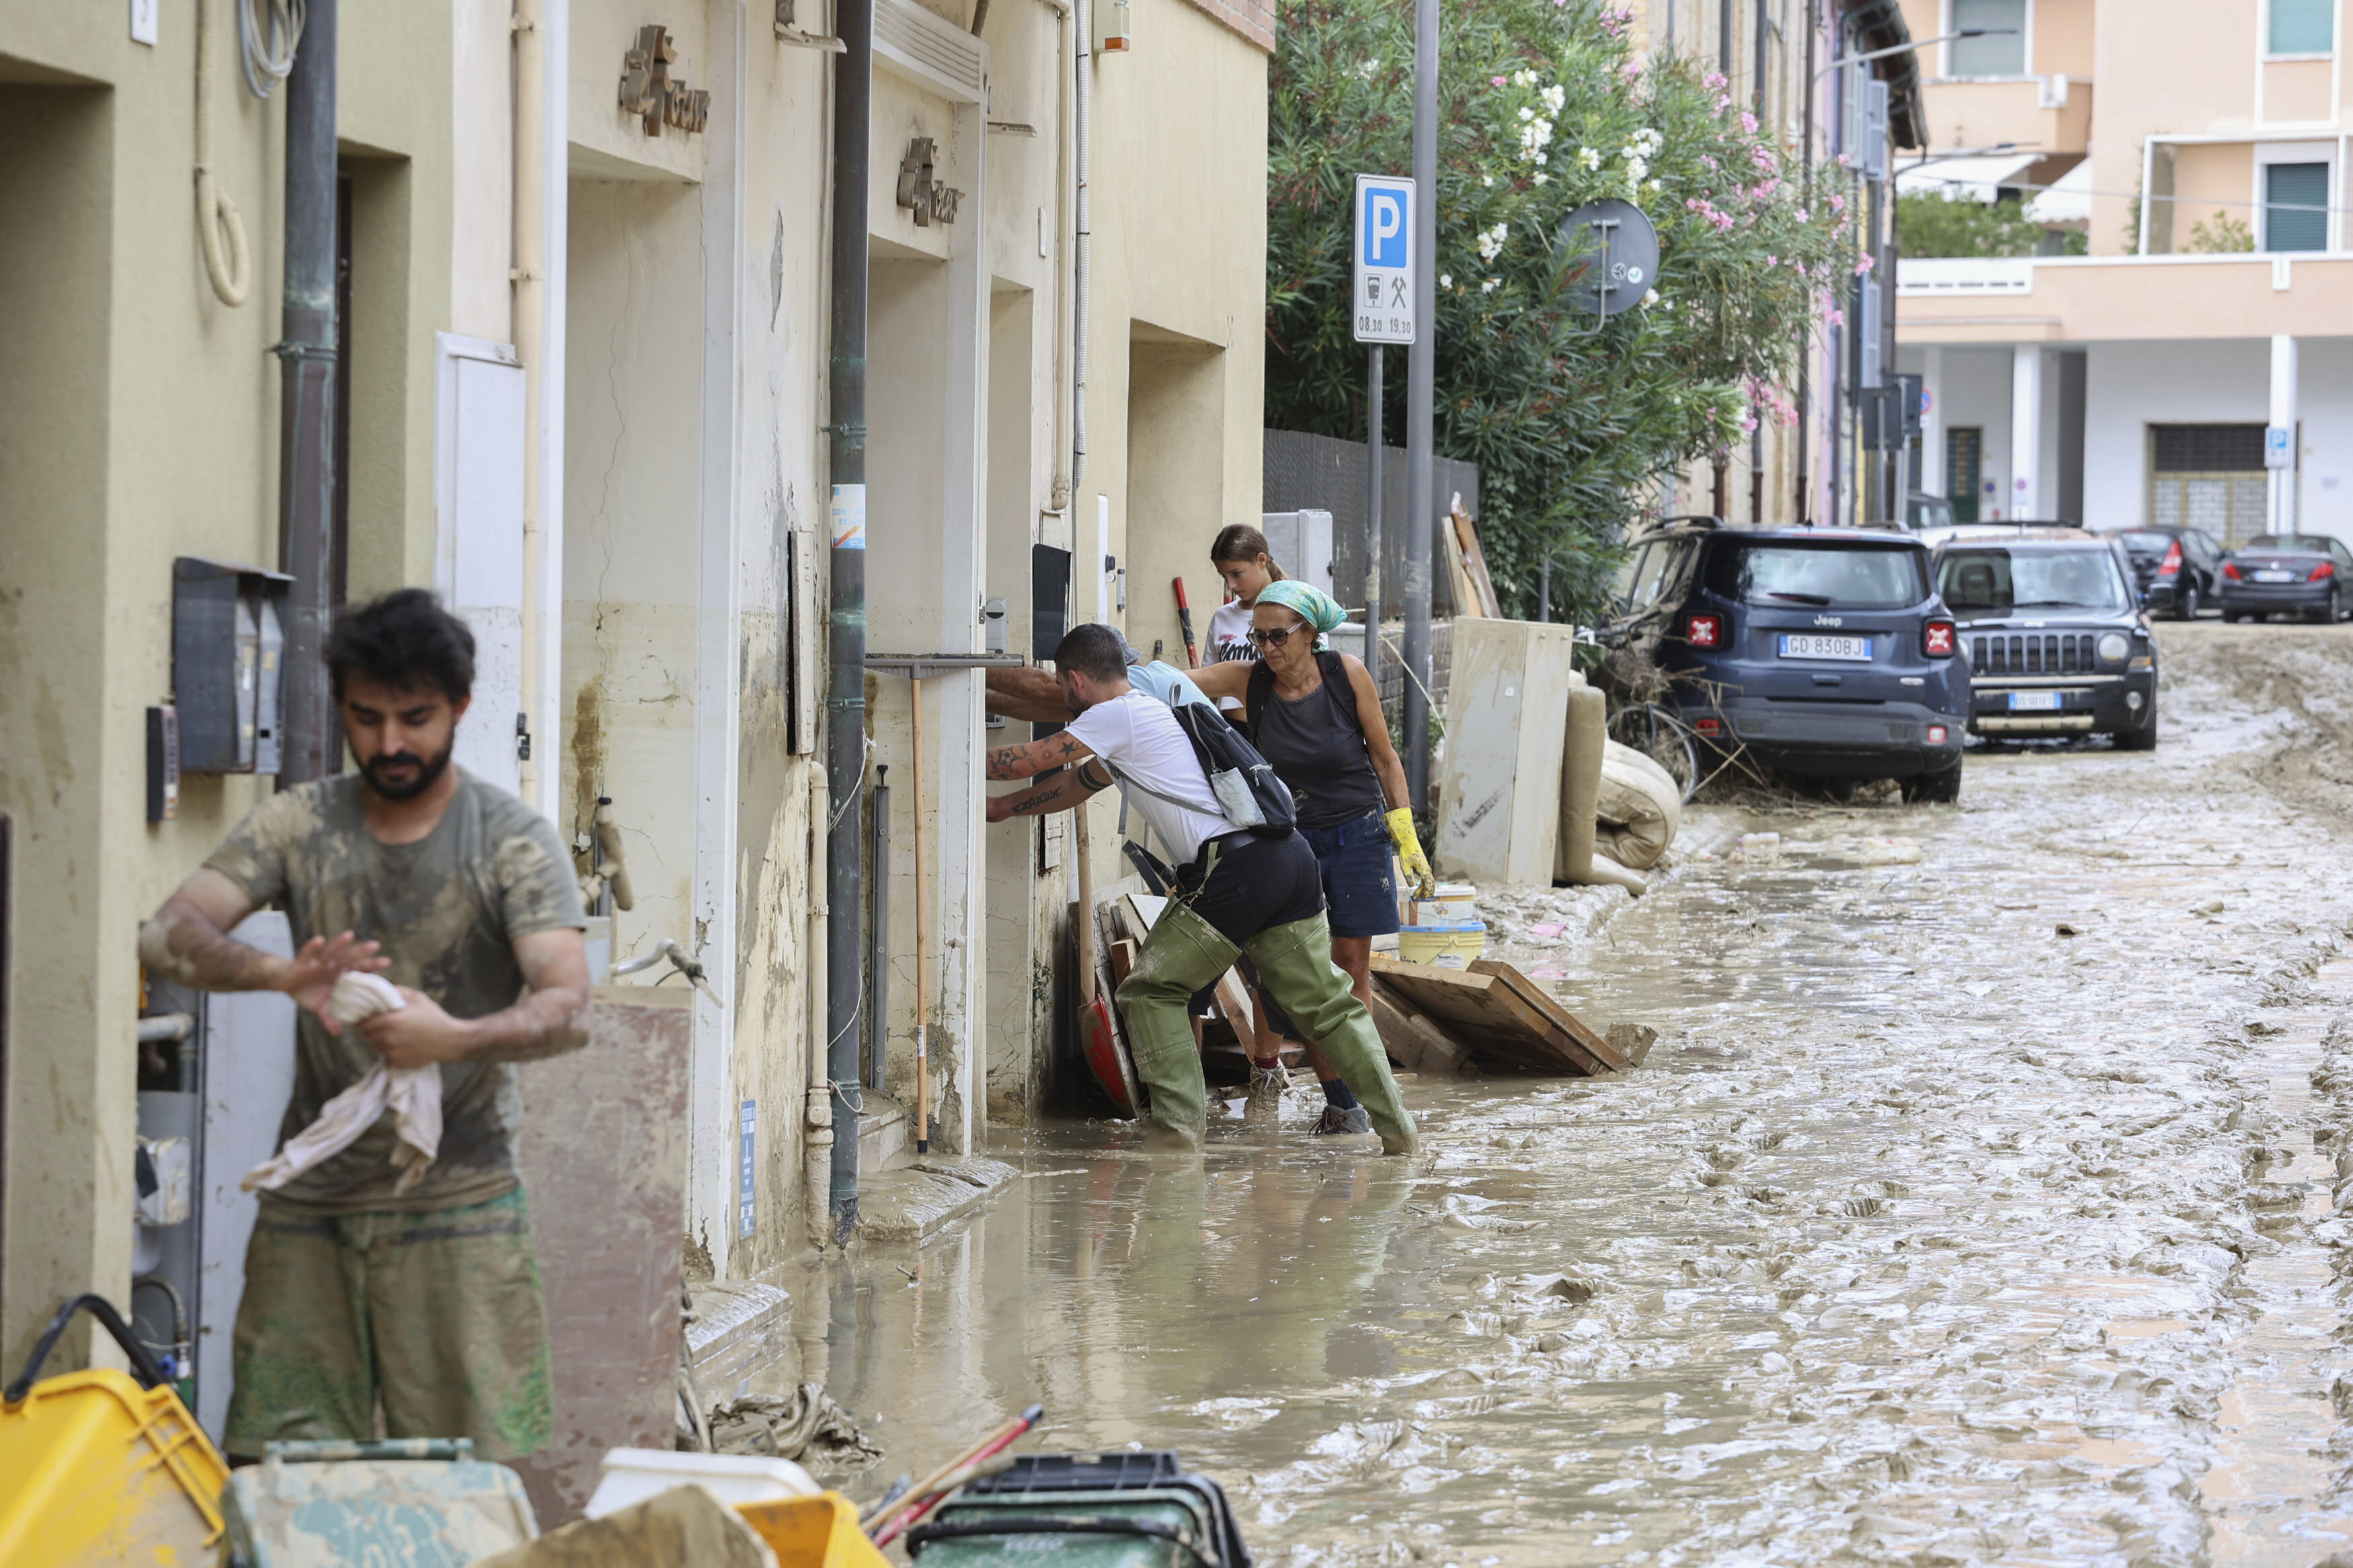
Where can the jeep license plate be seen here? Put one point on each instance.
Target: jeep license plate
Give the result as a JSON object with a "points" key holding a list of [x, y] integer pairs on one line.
{"points": [[1808, 644], [2274, 574], [2035, 701]]}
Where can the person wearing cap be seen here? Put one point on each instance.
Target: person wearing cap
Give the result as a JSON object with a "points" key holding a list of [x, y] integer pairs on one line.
{"points": [[1315, 716]]}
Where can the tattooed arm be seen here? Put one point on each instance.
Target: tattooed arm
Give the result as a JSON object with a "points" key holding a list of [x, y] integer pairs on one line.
{"points": [[551, 1018], [188, 939], [1034, 757], [1063, 791]]}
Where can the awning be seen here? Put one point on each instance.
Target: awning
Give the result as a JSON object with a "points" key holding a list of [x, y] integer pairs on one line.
{"points": [[1976, 179]]}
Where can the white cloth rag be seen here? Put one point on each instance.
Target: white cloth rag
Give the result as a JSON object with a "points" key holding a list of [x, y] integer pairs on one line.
{"points": [[413, 1096]]}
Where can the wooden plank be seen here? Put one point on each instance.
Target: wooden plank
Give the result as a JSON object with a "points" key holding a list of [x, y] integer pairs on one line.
{"points": [[1418, 1044], [1474, 560], [1545, 1004], [1490, 1018], [1233, 1000], [1123, 958]]}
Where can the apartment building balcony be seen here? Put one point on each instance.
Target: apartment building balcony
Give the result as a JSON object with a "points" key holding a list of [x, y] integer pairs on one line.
{"points": [[2048, 115], [2103, 299]]}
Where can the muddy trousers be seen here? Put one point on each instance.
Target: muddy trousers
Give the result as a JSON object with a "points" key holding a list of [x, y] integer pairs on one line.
{"points": [[1185, 952]]}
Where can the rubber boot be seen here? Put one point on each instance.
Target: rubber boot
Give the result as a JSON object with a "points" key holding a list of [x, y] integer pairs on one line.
{"points": [[1182, 953], [1295, 962]]}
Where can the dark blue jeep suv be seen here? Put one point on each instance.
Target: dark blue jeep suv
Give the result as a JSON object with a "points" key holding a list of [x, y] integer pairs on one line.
{"points": [[1818, 651]]}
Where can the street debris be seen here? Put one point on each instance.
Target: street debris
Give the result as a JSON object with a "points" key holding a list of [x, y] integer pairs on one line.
{"points": [[805, 1425], [1491, 1012]]}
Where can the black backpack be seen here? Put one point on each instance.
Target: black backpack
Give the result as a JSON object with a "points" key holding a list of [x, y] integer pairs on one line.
{"points": [[1248, 793]]}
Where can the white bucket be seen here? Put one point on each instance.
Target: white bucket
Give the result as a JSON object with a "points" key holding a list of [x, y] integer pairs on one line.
{"points": [[633, 1475]]}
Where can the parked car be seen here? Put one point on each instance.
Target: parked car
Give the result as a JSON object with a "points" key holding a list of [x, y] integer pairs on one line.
{"points": [[2176, 569], [2055, 636], [2303, 572], [1922, 511], [1823, 652]]}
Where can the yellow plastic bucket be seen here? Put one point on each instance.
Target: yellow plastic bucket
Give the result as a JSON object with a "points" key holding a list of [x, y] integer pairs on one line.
{"points": [[819, 1532], [1449, 946], [95, 1469]]}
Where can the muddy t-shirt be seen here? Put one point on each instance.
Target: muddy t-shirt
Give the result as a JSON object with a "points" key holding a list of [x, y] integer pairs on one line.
{"points": [[447, 908]]}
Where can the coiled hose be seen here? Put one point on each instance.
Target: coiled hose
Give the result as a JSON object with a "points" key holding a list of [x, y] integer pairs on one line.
{"points": [[226, 262]]}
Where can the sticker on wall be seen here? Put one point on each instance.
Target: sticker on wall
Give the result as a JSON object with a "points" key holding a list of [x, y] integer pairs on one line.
{"points": [[744, 1169]]}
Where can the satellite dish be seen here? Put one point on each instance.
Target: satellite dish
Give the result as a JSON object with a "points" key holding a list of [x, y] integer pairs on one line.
{"points": [[1609, 255]]}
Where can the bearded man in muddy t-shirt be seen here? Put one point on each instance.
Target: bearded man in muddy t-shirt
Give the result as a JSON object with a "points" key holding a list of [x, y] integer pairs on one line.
{"points": [[364, 1291]]}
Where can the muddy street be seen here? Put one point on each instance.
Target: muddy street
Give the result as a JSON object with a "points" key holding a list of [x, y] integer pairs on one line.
{"points": [[1974, 1206]]}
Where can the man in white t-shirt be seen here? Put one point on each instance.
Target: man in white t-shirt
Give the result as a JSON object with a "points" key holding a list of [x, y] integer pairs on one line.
{"points": [[1240, 889]]}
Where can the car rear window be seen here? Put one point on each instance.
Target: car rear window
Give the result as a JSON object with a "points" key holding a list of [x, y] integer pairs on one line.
{"points": [[2142, 543], [2313, 543], [1850, 576], [1994, 579]]}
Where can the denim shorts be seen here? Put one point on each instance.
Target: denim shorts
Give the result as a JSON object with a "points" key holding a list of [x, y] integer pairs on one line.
{"points": [[1359, 879]]}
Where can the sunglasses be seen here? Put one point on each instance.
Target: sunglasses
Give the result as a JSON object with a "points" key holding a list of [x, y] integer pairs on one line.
{"points": [[1275, 639]]}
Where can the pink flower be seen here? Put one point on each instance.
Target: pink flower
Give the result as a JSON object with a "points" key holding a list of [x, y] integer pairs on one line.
{"points": [[1715, 79], [1838, 202], [1770, 261], [1748, 122], [1722, 101], [1864, 265], [1494, 81], [1838, 317], [1804, 215]]}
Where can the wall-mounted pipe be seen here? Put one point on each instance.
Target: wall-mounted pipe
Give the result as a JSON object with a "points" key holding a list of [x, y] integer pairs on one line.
{"points": [[1083, 243], [529, 278], [817, 1135], [845, 698], [306, 402], [878, 933]]}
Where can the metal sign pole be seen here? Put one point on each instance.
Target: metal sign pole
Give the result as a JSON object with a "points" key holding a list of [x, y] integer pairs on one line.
{"points": [[1422, 506], [1373, 482]]}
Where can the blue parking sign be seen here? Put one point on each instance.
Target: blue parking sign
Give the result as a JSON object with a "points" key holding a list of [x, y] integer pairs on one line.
{"points": [[1382, 302]]}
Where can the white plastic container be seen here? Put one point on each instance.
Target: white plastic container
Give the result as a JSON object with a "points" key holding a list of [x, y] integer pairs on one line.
{"points": [[633, 1475]]}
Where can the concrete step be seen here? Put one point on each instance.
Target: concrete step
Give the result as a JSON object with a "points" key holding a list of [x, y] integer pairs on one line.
{"points": [[739, 1325], [882, 1134], [923, 1196]]}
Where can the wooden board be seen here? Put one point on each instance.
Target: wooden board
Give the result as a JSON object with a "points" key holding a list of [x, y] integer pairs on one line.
{"points": [[1488, 1008], [1122, 960], [1417, 1044], [1474, 562]]}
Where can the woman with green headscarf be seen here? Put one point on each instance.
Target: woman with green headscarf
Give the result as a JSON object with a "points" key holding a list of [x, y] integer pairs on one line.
{"points": [[1315, 715]]}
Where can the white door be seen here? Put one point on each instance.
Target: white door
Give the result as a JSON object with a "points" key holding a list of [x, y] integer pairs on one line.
{"points": [[478, 555]]}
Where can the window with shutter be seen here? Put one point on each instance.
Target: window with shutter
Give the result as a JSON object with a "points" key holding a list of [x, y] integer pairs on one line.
{"points": [[2296, 206], [2004, 54], [2303, 27]]}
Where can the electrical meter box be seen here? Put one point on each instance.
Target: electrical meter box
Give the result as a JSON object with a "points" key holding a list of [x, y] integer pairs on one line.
{"points": [[228, 665]]}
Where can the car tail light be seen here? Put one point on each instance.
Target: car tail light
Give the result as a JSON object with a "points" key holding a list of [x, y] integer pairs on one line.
{"points": [[1709, 727], [1938, 734], [2171, 564], [1936, 640], [1704, 631], [2230, 570], [2323, 572]]}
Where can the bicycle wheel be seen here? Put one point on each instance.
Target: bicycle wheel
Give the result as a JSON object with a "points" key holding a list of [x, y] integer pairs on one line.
{"points": [[1660, 736]]}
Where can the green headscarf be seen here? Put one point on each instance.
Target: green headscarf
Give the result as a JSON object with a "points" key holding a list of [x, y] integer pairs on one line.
{"points": [[1311, 603]]}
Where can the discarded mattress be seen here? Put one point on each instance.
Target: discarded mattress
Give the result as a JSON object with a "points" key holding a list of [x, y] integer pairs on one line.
{"points": [[1637, 810]]}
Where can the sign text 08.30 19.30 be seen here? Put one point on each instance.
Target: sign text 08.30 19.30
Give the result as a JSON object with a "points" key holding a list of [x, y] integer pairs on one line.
{"points": [[1382, 304]]}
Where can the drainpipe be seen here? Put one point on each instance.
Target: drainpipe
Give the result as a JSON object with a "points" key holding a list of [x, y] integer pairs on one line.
{"points": [[846, 636], [1082, 21], [1806, 333], [306, 401], [529, 278], [816, 1165]]}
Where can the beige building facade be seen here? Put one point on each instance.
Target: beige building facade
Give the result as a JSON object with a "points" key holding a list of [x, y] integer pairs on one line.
{"points": [[588, 387], [2200, 151]]}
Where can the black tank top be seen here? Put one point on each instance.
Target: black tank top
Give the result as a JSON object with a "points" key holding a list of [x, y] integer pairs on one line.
{"points": [[1317, 745]]}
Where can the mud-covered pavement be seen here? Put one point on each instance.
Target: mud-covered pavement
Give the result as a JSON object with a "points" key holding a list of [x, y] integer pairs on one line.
{"points": [[1929, 1232]]}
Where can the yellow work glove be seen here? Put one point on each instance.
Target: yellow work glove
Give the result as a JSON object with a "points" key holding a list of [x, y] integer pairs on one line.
{"points": [[1409, 855]]}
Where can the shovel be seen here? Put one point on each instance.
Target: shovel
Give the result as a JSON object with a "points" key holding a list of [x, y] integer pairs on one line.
{"points": [[1098, 1036]]}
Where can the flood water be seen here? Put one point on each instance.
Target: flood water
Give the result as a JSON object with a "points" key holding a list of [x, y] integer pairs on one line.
{"points": [[1928, 1233]]}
